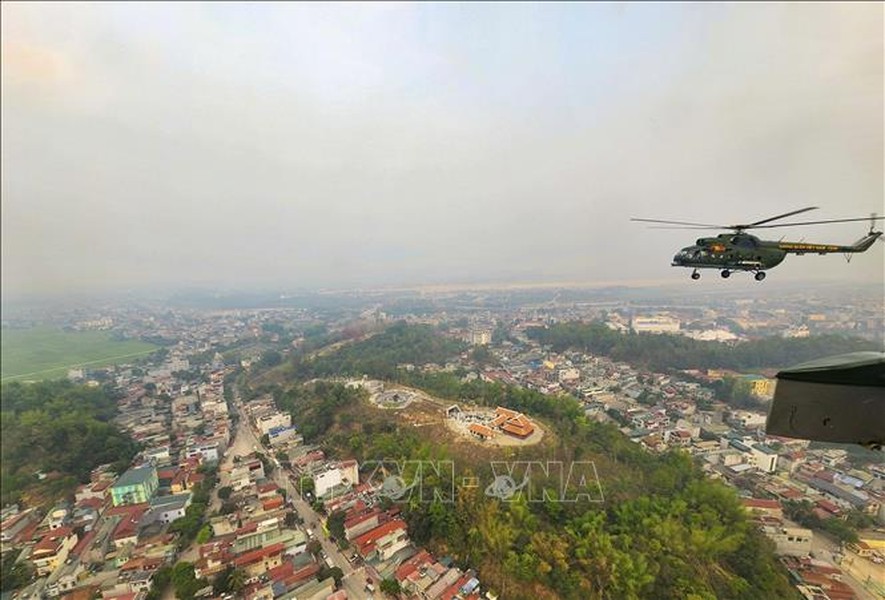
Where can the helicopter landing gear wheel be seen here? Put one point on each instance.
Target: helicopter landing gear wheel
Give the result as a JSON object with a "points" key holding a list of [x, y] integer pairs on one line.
{"points": [[695, 275], [725, 273], [760, 275]]}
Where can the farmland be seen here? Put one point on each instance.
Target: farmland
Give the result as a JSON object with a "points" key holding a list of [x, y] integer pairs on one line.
{"points": [[47, 353]]}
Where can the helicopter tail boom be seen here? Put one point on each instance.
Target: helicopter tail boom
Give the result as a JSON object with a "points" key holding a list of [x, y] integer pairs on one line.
{"points": [[861, 245], [864, 243]]}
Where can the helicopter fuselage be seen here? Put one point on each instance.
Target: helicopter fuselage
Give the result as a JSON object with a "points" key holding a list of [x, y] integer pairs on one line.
{"points": [[735, 251], [744, 252]]}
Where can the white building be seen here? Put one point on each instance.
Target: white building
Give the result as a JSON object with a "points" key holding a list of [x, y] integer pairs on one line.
{"points": [[655, 324], [747, 419], [345, 473], [209, 451], [480, 337], [276, 419], [764, 458], [790, 541], [167, 509]]}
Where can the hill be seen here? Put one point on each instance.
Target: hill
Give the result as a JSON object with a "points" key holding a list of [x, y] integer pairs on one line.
{"points": [[665, 352], [661, 531], [58, 429]]}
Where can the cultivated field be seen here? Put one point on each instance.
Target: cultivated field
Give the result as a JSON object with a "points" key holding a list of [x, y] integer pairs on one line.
{"points": [[48, 353]]}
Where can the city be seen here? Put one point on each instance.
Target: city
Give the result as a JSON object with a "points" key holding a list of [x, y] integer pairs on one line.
{"points": [[225, 484], [442, 301]]}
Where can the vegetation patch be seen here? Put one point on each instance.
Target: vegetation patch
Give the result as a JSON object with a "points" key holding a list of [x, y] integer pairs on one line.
{"points": [[52, 434], [43, 353]]}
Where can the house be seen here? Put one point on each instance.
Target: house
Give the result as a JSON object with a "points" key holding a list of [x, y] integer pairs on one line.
{"points": [[257, 562], [343, 474], [512, 423], [361, 523], [481, 431], [383, 541], [167, 509], [52, 550], [135, 486], [265, 423], [789, 541], [762, 507]]}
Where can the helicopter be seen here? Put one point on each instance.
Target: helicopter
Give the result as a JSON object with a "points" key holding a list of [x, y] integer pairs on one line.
{"points": [[741, 251]]}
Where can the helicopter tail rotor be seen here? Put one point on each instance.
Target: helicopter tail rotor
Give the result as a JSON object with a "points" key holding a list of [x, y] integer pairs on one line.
{"points": [[873, 218]]}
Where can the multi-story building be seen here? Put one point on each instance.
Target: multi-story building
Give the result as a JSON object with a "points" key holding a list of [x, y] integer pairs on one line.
{"points": [[277, 419], [135, 486], [655, 324]]}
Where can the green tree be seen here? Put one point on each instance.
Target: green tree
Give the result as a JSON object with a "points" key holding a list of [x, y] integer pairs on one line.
{"points": [[159, 582], [204, 535], [335, 573], [391, 587], [14, 575], [335, 523], [185, 582], [229, 581]]}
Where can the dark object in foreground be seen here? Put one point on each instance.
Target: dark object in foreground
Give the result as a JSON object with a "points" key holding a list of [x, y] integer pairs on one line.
{"points": [[836, 399]]}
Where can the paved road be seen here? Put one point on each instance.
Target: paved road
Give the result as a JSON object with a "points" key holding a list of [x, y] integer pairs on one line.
{"points": [[354, 579], [824, 550]]}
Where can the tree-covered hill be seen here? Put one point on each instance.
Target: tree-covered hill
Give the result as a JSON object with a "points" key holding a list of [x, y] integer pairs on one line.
{"points": [[665, 351], [379, 355], [59, 429], [663, 530]]}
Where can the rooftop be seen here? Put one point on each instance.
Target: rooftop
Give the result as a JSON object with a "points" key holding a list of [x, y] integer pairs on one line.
{"points": [[137, 476]]}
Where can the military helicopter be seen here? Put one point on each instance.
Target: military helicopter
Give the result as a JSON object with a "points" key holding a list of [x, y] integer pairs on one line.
{"points": [[741, 251]]}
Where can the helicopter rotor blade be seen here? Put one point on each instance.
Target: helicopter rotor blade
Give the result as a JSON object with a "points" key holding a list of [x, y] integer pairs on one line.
{"points": [[803, 223], [704, 228], [769, 219], [680, 223]]}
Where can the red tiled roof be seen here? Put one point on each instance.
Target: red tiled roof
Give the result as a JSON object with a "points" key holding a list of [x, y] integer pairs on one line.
{"points": [[93, 503], [358, 507], [305, 572], [126, 509], [453, 589], [356, 520], [100, 486], [272, 503], [518, 429], [368, 539], [412, 565], [284, 570], [761, 503], [481, 430], [828, 506], [51, 542], [247, 528], [259, 554]]}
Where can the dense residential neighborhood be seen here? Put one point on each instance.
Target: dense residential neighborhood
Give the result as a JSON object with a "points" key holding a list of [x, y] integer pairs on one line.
{"points": [[225, 492]]}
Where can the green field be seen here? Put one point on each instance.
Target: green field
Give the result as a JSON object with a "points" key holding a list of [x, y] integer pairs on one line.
{"points": [[48, 353]]}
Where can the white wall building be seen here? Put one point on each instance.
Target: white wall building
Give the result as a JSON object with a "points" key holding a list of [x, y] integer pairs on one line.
{"points": [[655, 324], [277, 419]]}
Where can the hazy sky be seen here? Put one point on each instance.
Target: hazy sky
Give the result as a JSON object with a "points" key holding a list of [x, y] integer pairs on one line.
{"points": [[353, 145]]}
